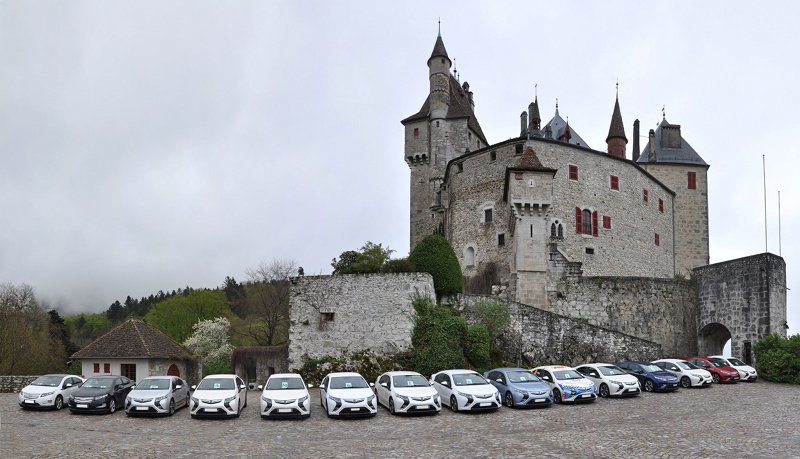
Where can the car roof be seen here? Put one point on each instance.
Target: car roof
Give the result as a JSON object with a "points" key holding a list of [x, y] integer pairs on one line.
{"points": [[669, 360], [221, 376], [160, 377], [344, 373], [285, 375], [107, 376], [554, 367], [596, 364], [458, 371], [401, 373], [508, 369]]}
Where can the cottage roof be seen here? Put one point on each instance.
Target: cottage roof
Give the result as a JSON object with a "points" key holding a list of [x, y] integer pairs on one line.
{"points": [[134, 339], [679, 152]]}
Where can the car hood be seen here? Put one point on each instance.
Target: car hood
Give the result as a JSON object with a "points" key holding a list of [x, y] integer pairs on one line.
{"points": [[90, 392], [698, 372], [39, 389], [728, 369], [745, 367], [136, 393], [285, 394], [361, 392], [622, 378], [214, 394], [415, 391], [582, 383], [534, 386], [663, 374], [482, 389]]}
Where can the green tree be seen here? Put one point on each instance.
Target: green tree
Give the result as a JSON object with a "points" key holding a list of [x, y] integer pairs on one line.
{"points": [[177, 314], [435, 256], [211, 342], [371, 258], [476, 346], [778, 358], [344, 265], [267, 321], [436, 337]]}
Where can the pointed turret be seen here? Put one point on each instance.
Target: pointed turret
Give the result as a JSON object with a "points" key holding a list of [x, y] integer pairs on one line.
{"points": [[534, 119], [439, 65], [439, 49], [616, 139]]}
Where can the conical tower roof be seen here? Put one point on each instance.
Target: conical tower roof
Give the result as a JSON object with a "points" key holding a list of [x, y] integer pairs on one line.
{"points": [[438, 49], [528, 159], [617, 128]]}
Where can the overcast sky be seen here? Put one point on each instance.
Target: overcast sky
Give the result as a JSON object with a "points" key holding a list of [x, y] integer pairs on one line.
{"points": [[153, 145]]}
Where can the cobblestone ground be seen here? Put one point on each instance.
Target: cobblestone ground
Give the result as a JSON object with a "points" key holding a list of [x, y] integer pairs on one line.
{"points": [[744, 420]]}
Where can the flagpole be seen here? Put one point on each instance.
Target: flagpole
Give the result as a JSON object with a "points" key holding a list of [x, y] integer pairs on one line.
{"points": [[764, 171]]}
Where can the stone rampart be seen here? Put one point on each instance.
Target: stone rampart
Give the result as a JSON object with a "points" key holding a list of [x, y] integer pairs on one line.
{"points": [[14, 383]]}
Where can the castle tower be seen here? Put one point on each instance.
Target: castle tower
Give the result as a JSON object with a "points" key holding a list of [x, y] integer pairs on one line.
{"points": [[616, 139], [669, 158], [444, 128]]}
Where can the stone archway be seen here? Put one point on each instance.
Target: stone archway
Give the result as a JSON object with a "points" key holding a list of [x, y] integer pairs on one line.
{"points": [[712, 339], [174, 371]]}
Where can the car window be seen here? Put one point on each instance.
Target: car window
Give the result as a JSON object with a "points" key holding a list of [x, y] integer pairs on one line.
{"points": [[522, 376], [441, 377], [409, 381], [153, 384], [611, 370], [468, 379], [217, 384], [324, 382], [384, 380], [348, 382], [544, 374], [284, 383]]}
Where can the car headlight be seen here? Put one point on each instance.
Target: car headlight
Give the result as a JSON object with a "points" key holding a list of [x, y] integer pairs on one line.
{"points": [[467, 396], [195, 400], [47, 394], [334, 399], [523, 392], [228, 401], [127, 400], [402, 397], [300, 401], [101, 397], [159, 400], [266, 400], [71, 398]]}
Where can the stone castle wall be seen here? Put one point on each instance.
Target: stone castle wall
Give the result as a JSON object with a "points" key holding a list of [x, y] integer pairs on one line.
{"points": [[14, 383], [538, 337], [334, 315]]}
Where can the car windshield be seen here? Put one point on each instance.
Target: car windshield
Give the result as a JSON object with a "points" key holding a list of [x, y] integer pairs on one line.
{"points": [[684, 365], [217, 384], [691, 366], [49, 381], [97, 383], [348, 382], [285, 384], [610, 370], [567, 374], [736, 362], [409, 381], [718, 362], [522, 377], [153, 384], [468, 379], [650, 367]]}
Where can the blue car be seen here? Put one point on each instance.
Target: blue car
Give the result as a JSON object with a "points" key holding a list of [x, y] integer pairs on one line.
{"points": [[520, 387], [651, 376]]}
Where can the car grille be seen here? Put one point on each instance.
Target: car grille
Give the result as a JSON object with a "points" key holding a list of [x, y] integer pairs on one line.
{"points": [[483, 396], [30, 395], [211, 402], [142, 400], [83, 399], [284, 402], [630, 383], [354, 400], [541, 392], [420, 399]]}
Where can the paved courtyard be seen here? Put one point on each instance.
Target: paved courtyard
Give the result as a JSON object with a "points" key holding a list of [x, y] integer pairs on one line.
{"points": [[759, 419]]}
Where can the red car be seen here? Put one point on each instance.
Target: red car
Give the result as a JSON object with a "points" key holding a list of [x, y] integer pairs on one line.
{"points": [[719, 369]]}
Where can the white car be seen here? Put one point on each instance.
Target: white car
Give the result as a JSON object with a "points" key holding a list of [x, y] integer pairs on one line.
{"points": [[567, 384], [689, 374], [285, 395], [157, 395], [465, 390], [49, 391], [218, 396], [407, 392], [347, 394], [610, 380], [746, 372]]}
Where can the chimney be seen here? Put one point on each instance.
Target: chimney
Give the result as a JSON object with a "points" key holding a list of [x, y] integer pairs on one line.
{"points": [[651, 154], [523, 123], [465, 87], [636, 151]]}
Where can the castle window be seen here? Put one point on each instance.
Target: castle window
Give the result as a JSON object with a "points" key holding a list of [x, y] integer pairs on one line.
{"points": [[460, 167], [585, 221], [573, 172], [469, 256], [645, 195], [556, 230], [501, 239], [469, 135], [416, 132], [661, 205], [493, 156], [487, 215], [560, 231], [692, 179], [589, 250], [552, 230], [658, 239], [614, 182], [326, 316], [437, 124], [518, 149], [606, 222]]}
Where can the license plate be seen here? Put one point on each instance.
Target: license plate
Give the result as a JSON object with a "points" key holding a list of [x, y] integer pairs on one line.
{"points": [[424, 407], [355, 409], [486, 404], [284, 410], [586, 395], [142, 408], [631, 390], [539, 400], [29, 401], [82, 405], [211, 410]]}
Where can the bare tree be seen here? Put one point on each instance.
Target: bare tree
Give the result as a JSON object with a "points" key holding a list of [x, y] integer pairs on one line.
{"points": [[26, 345], [268, 301]]}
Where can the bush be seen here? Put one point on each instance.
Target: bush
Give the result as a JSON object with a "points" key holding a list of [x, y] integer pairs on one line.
{"points": [[436, 338], [435, 256], [476, 346], [778, 358], [399, 265], [366, 363]]}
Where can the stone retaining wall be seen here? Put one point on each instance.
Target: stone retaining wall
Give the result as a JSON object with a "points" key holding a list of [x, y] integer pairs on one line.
{"points": [[14, 383]]}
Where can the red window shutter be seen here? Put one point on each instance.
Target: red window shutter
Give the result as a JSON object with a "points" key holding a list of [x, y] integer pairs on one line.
{"points": [[578, 220], [416, 132], [658, 239], [661, 205], [97, 368], [644, 195], [594, 223], [692, 176], [606, 222], [106, 368], [614, 182], [573, 172]]}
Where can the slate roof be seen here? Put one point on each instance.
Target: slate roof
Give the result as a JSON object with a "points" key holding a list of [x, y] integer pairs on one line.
{"points": [[558, 126], [459, 108], [684, 155], [617, 128], [134, 339], [438, 49]]}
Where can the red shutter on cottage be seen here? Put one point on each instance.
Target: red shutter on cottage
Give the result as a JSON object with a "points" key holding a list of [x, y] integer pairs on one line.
{"points": [[96, 368], [578, 220], [594, 223], [661, 205]]}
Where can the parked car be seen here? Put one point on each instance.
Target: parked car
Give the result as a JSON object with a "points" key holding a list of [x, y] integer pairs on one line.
{"points": [[465, 390], [719, 369], [157, 395], [688, 374], [746, 372], [610, 380], [519, 387], [100, 394], [222, 395], [566, 384], [407, 392], [48, 391], [285, 395], [651, 377], [347, 394]]}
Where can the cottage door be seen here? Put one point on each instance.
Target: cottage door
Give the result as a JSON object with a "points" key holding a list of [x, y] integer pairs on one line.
{"points": [[173, 371]]}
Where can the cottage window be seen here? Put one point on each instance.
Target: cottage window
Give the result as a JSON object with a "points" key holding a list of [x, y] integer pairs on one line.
{"points": [[96, 368], [614, 182], [128, 370], [416, 132], [106, 368]]}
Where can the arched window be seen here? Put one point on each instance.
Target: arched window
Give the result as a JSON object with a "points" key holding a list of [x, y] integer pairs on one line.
{"points": [[469, 256], [553, 232], [560, 231], [586, 221]]}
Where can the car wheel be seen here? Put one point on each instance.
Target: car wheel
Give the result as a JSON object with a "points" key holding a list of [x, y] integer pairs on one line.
{"points": [[686, 382], [715, 377], [112, 405], [59, 403], [648, 386], [171, 406], [557, 396], [453, 404], [509, 400], [391, 406], [604, 390]]}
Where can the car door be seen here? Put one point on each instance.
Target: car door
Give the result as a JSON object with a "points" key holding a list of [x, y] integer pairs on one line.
{"points": [[119, 391], [443, 386], [384, 389], [241, 389], [182, 391], [498, 380], [546, 377], [323, 393]]}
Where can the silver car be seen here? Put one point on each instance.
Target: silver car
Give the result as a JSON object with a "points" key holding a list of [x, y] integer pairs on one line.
{"points": [[157, 395]]}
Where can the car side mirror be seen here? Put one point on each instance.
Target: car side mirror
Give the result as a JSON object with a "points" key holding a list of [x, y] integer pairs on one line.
{"points": [[445, 383], [372, 384], [675, 369], [500, 380], [242, 387], [194, 386], [260, 387], [133, 386], [546, 378], [322, 386], [67, 385], [309, 386], [384, 384], [179, 386]]}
